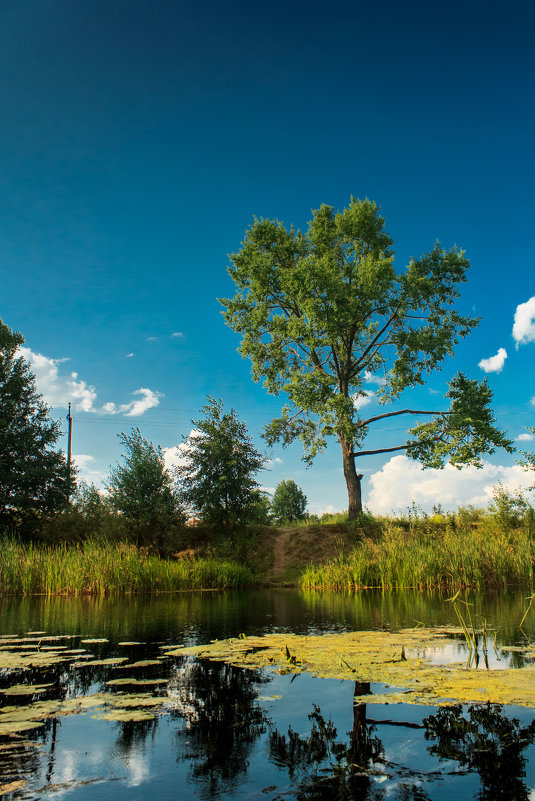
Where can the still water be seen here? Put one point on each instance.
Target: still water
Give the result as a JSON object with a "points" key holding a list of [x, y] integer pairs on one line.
{"points": [[223, 733]]}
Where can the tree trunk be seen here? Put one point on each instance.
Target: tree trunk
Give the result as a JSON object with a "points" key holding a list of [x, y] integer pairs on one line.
{"points": [[352, 479]]}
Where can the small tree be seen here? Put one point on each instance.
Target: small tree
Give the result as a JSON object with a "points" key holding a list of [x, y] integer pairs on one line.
{"points": [[218, 478], [141, 489], [33, 475], [528, 459], [289, 502], [323, 312]]}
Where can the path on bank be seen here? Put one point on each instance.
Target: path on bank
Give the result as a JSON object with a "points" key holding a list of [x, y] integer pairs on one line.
{"points": [[295, 547]]}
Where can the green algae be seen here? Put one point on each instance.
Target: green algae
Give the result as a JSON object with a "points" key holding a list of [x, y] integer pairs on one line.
{"points": [[397, 659]]}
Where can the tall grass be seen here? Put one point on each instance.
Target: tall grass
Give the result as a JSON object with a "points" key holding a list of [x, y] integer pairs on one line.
{"points": [[432, 553], [98, 569]]}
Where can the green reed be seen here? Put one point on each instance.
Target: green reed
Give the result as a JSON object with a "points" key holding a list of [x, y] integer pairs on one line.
{"points": [[100, 569], [432, 553]]}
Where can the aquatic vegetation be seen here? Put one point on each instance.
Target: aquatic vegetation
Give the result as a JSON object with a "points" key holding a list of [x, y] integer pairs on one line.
{"points": [[397, 659], [100, 569], [432, 553]]}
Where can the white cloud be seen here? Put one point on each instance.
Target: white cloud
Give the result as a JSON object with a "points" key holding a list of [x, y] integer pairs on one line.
{"points": [[362, 398], [401, 481], [129, 355], [60, 390], [177, 335], [86, 469], [271, 462], [524, 325], [524, 438], [494, 364], [152, 339], [370, 378], [177, 455]]}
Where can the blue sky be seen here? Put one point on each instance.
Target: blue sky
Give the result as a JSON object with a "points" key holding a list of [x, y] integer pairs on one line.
{"points": [[139, 139]]}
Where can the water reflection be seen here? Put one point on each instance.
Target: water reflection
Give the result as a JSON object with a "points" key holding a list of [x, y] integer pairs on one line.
{"points": [[487, 741]]}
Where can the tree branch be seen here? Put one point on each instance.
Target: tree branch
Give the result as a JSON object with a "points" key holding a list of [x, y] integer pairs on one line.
{"points": [[395, 414], [379, 450]]}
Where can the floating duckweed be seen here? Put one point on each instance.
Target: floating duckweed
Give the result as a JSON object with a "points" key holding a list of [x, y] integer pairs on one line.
{"points": [[26, 689], [113, 660], [94, 640], [127, 682], [376, 656]]}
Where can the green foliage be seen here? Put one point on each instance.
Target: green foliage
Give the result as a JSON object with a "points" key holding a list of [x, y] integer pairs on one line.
{"points": [[142, 491], [321, 312], [289, 502], [33, 476], [464, 433], [528, 459], [217, 480], [509, 507], [102, 569]]}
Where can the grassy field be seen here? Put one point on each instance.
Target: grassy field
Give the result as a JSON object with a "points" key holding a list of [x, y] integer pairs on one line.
{"points": [[428, 553], [99, 569]]}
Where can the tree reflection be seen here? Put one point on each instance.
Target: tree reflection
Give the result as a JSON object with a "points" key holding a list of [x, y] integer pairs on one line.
{"points": [[222, 721], [325, 767], [485, 741]]}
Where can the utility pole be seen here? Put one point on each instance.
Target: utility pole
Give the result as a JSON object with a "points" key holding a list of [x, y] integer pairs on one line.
{"points": [[69, 455]]}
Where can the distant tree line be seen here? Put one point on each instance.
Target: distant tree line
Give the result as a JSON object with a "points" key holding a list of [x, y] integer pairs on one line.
{"points": [[142, 500]]}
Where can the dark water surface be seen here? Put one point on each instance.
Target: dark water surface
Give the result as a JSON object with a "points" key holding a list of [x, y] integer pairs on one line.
{"points": [[227, 733]]}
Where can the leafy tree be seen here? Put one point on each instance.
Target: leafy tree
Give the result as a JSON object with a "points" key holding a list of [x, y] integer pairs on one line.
{"points": [[217, 480], [141, 489], [33, 475], [289, 502], [528, 459], [323, 312]]}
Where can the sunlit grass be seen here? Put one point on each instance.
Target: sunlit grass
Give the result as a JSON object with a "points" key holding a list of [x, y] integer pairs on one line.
{"points": [[437, 552], [99, 569]]}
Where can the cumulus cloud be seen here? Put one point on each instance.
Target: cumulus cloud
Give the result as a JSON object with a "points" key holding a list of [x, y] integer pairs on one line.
{"points": [[524, 324], [59, 390], [494, 364], [362, 398], [129, 355], [401, 481], [87, 470], [524, 438], [274, 461], [370, 378], [177, 335], [177, 455]]}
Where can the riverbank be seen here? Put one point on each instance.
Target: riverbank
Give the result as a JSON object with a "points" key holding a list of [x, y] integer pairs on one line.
{"points": [[100, 569], [471, 548]]}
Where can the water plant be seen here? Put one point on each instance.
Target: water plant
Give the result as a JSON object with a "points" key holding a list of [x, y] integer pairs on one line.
{"points": [[99, 569]]}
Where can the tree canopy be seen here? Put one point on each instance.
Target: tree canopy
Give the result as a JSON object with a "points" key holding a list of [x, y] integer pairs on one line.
{"points": [[142, 490], [217, 479], [33, 474], [289, 502], [322, 312]]}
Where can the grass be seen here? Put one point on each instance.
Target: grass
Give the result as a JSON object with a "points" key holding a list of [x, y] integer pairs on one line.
{"points": [[464, 550], [100, 569]]}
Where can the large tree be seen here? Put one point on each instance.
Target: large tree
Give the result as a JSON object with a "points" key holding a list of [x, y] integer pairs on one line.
{"points": [[143, 491], [217, 478], [33, 474], [322, 312]]}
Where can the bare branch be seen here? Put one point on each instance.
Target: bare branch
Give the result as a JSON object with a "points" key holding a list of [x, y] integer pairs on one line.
{"points": [[379, 450]]}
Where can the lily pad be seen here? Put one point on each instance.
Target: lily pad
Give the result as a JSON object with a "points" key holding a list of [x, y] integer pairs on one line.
{"points": [[126, 715], [12, 787], [377, 656], [26, 689], [140, 664], [126, 682], [93, 662], [131, 643], [94, 640]]}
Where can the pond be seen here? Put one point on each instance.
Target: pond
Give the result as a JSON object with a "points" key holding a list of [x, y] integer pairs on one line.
{"points": [[102, 711]]}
